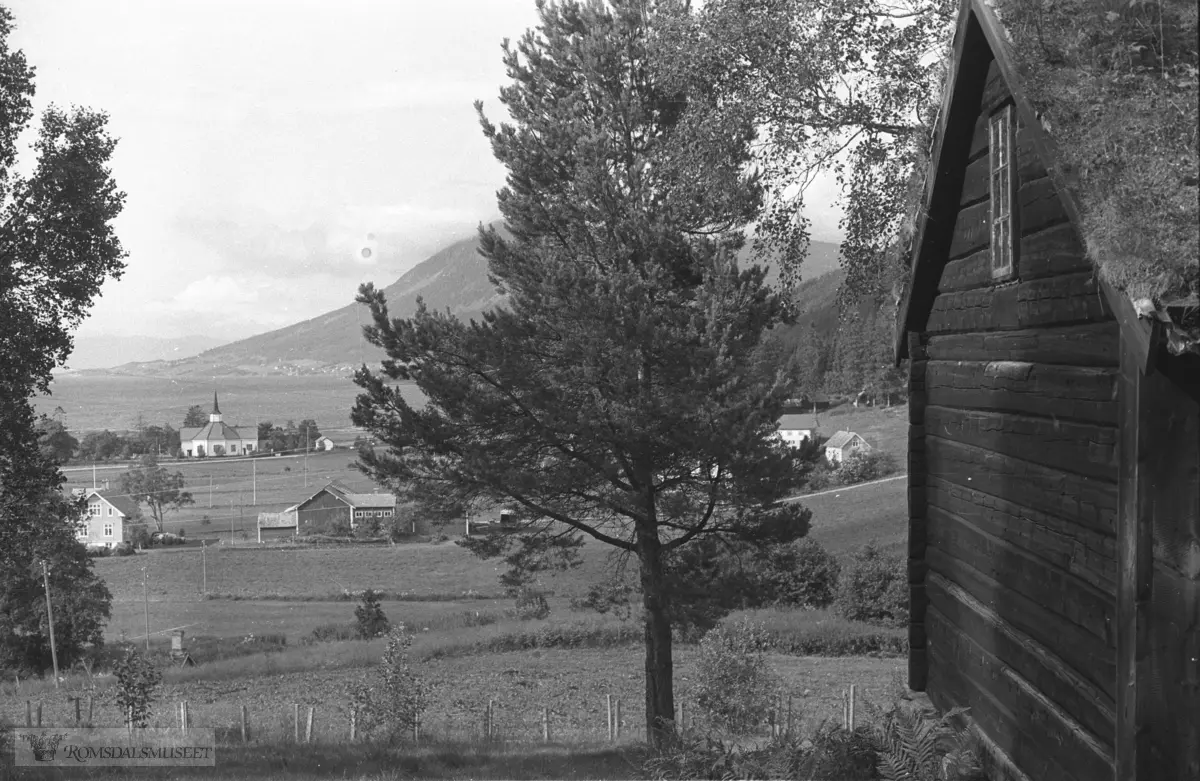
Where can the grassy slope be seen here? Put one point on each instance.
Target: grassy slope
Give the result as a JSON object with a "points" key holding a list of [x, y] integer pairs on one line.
{"points": [[845, 519]]}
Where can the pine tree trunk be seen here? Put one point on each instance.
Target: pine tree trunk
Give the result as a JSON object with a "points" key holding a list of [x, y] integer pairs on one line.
{"points": [[660, 692]]}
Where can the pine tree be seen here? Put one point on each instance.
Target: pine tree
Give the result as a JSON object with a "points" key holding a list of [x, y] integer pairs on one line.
{"points": [[621, 394]]}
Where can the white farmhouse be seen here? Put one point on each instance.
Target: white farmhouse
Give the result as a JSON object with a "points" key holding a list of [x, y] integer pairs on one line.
{"points": [[792, 430], [105, 518]]}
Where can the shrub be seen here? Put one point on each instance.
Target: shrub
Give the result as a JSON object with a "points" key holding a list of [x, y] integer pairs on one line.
{"points": [[799, 574], [392, 697], [137, 680], [122, 549], [736, 685], [863, 465], [531, 604], [873, 587], [369, 616]]}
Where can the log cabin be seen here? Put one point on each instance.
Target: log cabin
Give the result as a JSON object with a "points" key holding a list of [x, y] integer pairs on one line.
{"points": [[1054, 454]]}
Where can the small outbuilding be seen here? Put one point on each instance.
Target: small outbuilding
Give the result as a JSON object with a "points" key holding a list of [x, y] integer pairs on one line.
{"points": [[277, 526]]}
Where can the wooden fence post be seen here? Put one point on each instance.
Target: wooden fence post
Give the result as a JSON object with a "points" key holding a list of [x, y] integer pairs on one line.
{"points": [[491, 719], [308, 728], [353, 725], [617, 719], [179, 712], [852, 692], [39, 714], [296, 721], [91, 703], [610, 719], [682, 718], [28, 713], [78, 715], [790, 725], [545, 725], [244, 730], [187, 717]]}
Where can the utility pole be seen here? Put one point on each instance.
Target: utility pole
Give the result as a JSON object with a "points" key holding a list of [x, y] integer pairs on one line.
{"points": [[93, 475], [306, 429], [230, 521], [210, 490], [50, 618], [204, 567], [146, 607], [254, 480]]}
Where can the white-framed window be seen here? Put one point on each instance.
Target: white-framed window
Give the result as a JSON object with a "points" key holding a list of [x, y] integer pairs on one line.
{"points": [[108, 529], [109, 512], [94, 510], [1001, 152]]}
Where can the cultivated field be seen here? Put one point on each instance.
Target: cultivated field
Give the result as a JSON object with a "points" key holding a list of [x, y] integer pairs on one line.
{"points": [[230, 493]]}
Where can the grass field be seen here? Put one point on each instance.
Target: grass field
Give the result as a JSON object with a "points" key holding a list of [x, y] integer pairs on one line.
{"points": [[572, 683], [230, 493], [847, 518]]}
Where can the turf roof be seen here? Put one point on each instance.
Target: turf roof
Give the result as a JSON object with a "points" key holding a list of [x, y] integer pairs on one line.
{"points": [[1115, 83]]}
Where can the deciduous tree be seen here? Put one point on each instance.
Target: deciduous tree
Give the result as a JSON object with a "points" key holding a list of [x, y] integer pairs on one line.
{"points": [[57, 246], [620, 395], [196, 417], [152, 485]]}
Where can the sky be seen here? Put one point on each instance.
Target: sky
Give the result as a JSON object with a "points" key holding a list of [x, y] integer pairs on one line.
{"points": [[276, 154]]}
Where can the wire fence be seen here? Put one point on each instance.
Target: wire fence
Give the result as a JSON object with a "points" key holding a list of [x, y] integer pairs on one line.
{"points": [[612, 720]]}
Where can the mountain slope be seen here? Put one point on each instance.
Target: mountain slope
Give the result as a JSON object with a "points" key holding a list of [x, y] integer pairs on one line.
{"points": [[454, 278], [95, 352]]}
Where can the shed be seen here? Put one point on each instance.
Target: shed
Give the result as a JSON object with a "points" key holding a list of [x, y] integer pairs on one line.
{"points": [[277, 526], [1054, 459], [842, 444], [323, 443]]}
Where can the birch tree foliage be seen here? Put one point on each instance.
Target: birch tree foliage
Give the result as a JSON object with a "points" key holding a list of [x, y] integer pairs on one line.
{"points": [[847, 88]]}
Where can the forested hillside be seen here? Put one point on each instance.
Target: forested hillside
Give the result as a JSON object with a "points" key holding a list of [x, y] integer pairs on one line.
{"points": [[841, 351]]}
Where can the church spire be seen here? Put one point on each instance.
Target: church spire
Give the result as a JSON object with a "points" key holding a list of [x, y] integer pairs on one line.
{"points": [[215, 417]]}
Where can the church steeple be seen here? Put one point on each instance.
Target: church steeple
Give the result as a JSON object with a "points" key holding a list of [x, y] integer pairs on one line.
{"points": [[215, 417]]}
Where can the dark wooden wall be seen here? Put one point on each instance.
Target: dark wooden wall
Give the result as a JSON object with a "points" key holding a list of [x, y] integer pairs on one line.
{"points": [[1159, 591], [1013, 474], [323, 512]]}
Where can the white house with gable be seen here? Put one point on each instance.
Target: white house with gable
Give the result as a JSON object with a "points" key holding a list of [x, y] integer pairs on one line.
{"points": [[843, 444]]}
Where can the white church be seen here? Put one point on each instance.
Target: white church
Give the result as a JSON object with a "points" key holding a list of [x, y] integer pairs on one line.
{"points": [[217, 438]]}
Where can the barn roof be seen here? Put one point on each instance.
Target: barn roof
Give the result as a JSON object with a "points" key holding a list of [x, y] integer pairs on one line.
{"points": [[1125, 175], [283, 520], [355, 500]]}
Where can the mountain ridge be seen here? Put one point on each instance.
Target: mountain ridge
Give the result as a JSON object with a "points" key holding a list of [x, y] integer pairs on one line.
{"points": [[453, 278]]}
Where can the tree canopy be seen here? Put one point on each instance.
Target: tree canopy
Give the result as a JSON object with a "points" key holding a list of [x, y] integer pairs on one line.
{"points": [[621, 396], [57, 246], [152, 485]]}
